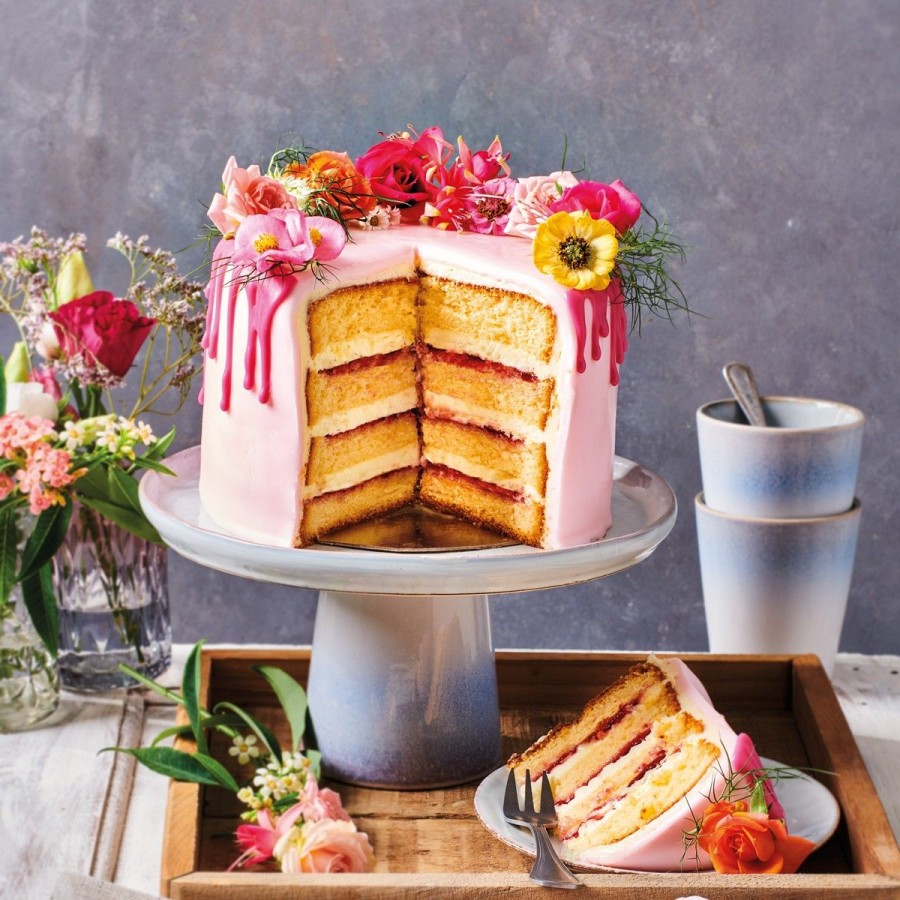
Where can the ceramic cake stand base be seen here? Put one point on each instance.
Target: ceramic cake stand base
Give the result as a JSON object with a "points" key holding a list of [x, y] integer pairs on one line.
{"points": [[402, 685]]}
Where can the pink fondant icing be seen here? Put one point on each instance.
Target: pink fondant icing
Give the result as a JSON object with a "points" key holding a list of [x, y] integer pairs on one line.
{"points": [[270, 329]]}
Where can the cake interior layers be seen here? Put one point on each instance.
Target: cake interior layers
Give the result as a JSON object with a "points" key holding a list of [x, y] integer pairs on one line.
{"points": [[631, 755], [443, 380]]}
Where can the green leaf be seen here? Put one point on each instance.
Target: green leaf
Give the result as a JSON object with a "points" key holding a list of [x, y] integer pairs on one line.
{"points": [[37, 592], [292, 698], [218, 771], [315, 762], [18, 367], [150, 683], [143, 462], [136, 523], [190, 695], [177, 764], [123, 488], [264, 734], [45, 539], [758, 797], [220, 722], [8, 551], [158, 449]]}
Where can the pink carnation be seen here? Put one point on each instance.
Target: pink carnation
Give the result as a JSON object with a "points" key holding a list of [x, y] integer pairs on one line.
{"points": [[246, 192], [613, 202], [532, 199]]}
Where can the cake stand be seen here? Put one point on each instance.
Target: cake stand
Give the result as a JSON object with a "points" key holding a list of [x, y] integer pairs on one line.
{"points": [[402, 683]]}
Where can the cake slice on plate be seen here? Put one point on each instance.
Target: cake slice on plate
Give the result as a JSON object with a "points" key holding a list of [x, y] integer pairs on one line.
{"points": [[635, 770]]}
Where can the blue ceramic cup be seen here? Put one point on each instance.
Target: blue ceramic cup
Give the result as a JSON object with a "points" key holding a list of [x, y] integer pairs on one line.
{"points": [[804, 463], [776, 585]]}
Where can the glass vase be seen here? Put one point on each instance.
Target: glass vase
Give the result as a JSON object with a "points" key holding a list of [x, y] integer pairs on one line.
{"points": [[112, 590], [29, 678]]}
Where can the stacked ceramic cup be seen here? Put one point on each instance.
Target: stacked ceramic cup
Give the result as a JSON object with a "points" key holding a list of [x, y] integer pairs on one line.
{"points": [[777, 524]]}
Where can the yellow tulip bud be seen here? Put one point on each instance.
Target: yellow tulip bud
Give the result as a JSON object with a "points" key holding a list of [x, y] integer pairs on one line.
{"points": [[73, 279], [18, 366]]}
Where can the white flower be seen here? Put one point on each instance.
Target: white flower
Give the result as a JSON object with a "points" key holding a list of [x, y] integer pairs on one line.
{"points": [[244, 748], [378, 220], [299, 188], [29, 399]]}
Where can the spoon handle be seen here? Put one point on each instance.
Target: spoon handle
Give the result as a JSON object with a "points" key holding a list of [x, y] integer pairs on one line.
{"points": [[742, 382]]}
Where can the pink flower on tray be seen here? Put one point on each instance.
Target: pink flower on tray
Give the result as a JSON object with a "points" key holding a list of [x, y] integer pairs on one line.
{"points": [[101, 329], [532, 200], [259, 841], [327, 845], [321, 803], [246, 192], [613, 202], [285, 241]]}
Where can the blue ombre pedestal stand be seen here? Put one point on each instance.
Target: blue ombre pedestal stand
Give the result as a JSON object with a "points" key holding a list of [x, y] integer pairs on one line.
{"points": [[402, 682]]}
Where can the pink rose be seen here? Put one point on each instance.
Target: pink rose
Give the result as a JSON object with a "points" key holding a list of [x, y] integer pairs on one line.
{"points": [[321, 803], [613, 202], [102, 329], [325, 846], [532, 199], [246, 192], [400, 169]]}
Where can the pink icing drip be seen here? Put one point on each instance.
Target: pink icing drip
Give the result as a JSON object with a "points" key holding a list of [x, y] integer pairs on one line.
{"points": [[616, 327], [264, 296]]}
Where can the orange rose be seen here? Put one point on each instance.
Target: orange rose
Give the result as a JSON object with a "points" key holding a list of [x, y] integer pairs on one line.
{"points": [[743, 842], [341, 184]]}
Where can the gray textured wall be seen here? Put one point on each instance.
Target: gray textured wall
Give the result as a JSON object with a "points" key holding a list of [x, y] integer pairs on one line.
{"points": [[766, 131]]}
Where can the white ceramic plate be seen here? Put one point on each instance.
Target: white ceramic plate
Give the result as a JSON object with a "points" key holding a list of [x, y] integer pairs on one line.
{"points": [[811, 809], [643, 508]]}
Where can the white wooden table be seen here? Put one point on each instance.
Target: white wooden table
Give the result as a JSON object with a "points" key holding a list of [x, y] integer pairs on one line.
{"points": [[64, 807]]}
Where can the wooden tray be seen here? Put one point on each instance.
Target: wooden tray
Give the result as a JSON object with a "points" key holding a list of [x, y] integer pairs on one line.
{"points": [[431, 843]]}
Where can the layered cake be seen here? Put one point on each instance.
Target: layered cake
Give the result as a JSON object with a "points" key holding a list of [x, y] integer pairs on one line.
{"points": [[425, 354], [636, 770]]}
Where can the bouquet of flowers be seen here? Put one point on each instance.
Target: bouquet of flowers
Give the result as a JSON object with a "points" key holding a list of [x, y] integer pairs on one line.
{"points": [[289, 818], [62, 435]]}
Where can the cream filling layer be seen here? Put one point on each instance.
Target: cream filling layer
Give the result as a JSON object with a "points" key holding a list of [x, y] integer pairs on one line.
{"points": [[469, 414], [363, 471], [482, 473], [360, 347], [493, 351], [346, 420]]}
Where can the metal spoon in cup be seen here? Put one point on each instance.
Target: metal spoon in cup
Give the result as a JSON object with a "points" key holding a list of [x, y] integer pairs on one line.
{"points": [[742, 382]]}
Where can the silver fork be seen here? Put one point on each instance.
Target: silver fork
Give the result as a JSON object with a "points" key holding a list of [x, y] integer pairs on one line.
{"points": [[548, 869]]}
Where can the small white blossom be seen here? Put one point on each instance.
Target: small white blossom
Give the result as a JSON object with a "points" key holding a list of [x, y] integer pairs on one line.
{"points": [[244, 748]]}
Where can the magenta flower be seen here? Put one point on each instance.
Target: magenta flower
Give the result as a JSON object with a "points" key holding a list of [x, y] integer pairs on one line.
{"points": [[258, 841], [484, 165], [613, 202], [490, 205]]}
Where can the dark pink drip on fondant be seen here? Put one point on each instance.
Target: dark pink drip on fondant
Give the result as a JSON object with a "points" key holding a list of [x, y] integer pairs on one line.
{"points": [[615, 326], [264, 296]]}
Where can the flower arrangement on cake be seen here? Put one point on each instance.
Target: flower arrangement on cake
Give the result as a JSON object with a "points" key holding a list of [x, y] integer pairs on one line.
{"points": [[289, 818], [64, 434], [585, 234]]}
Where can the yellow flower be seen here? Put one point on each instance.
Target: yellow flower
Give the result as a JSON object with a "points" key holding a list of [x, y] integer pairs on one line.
{"points": [[576, 249]]}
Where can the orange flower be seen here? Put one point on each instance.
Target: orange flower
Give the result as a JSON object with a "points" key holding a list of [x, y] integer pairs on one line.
{"points": [[743, 842], [341, 184]]}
